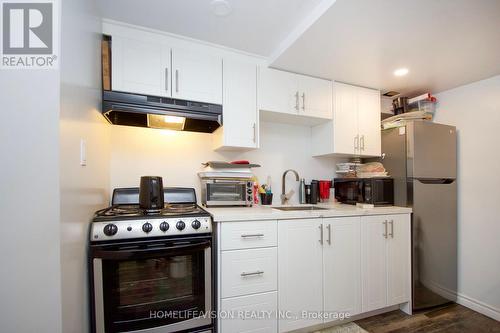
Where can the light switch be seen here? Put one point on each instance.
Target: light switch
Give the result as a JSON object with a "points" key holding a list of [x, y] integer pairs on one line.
{"points": [[83, 152]]}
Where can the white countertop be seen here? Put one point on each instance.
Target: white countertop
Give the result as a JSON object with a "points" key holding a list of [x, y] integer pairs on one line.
{"points": [[225, 214]]}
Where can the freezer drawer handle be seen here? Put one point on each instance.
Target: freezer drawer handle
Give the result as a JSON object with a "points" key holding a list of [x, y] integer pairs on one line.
{"points": [[436, 181]]}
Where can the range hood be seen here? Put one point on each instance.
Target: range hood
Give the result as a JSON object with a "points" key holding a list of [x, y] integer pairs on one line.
{"points": [[128, 109]]}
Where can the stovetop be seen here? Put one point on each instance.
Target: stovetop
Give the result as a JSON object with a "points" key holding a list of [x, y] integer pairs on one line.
{"points": [[124, 219]]}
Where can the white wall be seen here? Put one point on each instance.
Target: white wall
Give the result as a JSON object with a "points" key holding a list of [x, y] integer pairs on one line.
{"points": [[177, 156], [83, 189], [475, 110], [29, 201]]}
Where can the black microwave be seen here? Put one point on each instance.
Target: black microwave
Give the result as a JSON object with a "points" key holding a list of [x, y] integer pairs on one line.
{"points": [[376, 191]]}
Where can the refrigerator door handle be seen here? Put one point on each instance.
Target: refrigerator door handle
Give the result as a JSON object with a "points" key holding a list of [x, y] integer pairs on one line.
{"points": [[436, 180]]}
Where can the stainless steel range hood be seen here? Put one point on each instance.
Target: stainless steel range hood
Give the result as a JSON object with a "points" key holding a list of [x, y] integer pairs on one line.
{"points": [[128, 109]]}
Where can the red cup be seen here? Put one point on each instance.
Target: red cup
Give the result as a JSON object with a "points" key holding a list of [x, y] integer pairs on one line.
{"points": [[324, 190]]}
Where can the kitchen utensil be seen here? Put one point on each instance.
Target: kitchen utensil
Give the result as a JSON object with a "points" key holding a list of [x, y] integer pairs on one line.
{"points": [[151, 197]]}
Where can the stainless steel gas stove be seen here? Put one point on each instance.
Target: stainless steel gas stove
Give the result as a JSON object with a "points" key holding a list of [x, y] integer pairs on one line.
{"points": [[152, 273]]}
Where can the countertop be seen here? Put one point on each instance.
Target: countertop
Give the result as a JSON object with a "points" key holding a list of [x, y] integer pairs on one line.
{"points": [[225, 214]]}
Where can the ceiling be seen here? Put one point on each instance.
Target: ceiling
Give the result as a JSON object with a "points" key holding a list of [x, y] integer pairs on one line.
{"points": [[443, 43], [255, 26]]}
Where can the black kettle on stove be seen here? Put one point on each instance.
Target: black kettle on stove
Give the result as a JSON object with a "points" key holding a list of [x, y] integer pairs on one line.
{"points": [[151, 197]]}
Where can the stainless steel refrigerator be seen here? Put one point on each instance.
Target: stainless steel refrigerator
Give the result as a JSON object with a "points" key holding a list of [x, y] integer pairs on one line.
{"points": [[422, 158]]}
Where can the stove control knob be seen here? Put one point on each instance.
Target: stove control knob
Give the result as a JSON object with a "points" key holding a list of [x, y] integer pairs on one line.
{"points": [[110, 229], [196, 224], [180, 225], [147, 227], [164, 226]]}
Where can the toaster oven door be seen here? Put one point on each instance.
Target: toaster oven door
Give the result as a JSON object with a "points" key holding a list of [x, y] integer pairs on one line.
{"points": [[227, 193]]}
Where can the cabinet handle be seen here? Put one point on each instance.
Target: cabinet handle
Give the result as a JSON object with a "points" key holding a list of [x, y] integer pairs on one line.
{"points": [[166, 78], [176, 80], [297, 101], [356, 142], [329, 227], [321, 234], [303, 101], [362, 142], [385, 229], [254, 134], [252, 235], [244, 274], [392, 229]]}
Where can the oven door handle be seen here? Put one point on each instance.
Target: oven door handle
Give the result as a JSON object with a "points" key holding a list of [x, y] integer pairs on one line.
{"points": [[133, 253]]}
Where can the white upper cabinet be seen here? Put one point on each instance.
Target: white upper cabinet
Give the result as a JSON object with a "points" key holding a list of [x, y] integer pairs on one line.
{"points": [[292, 94], [240, 116], [196, 76], [369, 122], [154, 68], [315, 98], [355, 129], [140, 67], [278, 91]]}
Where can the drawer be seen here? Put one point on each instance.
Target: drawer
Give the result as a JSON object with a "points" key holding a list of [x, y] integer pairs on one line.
{"points": [[250, 271], [247, 235], [262, 305]]}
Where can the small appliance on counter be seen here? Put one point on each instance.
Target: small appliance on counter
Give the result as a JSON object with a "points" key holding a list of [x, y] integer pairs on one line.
{"points": [[227, 184], [145, 263], [375, 191]]}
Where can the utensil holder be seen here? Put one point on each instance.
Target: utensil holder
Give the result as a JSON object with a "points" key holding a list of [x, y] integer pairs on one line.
{"points": [[266, 198]]}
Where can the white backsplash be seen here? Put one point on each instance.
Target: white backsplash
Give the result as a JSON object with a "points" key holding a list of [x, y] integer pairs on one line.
{"points": [[177, 156]]}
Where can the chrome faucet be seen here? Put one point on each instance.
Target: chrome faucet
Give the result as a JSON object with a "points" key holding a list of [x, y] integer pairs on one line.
{"points": [[286, 196]]}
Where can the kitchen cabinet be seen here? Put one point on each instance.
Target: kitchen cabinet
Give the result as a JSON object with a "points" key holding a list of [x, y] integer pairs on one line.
{"points": [[286, 93], [300, 274], [140, 67], [240, 127], [196, 76], [341, 265], [385, 260], [355, 129], [152, 67]]}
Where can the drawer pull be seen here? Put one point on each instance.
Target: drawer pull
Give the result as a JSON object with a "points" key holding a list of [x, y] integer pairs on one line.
{"points": [[252, 235], [244, 274]]}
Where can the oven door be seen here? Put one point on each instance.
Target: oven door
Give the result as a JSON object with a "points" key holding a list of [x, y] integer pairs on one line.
{"points": [[227, 193], [152, 287]]}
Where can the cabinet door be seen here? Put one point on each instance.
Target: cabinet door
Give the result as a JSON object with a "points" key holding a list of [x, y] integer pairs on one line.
{"points": [[369, 122], [398, 259], [341, 265], [345, 120], [196, 76], [240, 125], [315, 97], [278, 91], [252, 304], [373, 263], [299, 272], [140, 67]]}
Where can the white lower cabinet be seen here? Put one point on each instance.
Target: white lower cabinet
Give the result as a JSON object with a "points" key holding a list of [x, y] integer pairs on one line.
{"points": [[300, 274], [249, 271], [253, 313], [385, 261], [319, 269], [342, 265]]}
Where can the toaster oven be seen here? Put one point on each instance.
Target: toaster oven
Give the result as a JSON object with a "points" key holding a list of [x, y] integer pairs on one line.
{"points": [[226, 192]]}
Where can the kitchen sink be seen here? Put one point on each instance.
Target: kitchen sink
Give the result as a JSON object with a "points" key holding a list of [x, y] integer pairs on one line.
{"points": [[294, 208]]}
